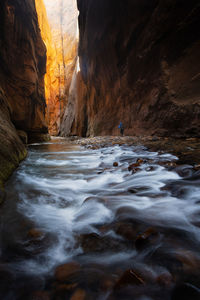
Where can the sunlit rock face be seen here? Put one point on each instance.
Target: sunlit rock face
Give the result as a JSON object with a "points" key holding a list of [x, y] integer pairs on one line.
{"points": [[140, 65], [22, 69], [58, 23]]}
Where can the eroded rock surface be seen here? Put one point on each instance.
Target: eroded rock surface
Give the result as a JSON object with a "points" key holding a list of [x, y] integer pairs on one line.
{"points": [[12, 149]]}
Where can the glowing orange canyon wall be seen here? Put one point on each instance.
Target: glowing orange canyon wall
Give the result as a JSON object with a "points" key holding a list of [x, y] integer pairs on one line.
{"points": [[61, 41]]}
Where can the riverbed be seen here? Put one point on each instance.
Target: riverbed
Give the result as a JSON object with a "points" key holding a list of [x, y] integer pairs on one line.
{"points": [[123, 219]]}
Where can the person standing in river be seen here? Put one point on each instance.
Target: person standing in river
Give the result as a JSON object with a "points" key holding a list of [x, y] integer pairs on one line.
{"points": [[121, 127]]}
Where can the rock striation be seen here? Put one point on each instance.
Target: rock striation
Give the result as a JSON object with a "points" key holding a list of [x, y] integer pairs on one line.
{"points": [[139, 64], [22, 69]]}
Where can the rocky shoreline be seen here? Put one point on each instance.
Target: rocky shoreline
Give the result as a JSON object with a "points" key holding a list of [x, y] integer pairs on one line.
{"points": [[186, 149]]}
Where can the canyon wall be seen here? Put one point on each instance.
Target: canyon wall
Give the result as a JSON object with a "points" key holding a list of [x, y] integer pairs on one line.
{"points": [[140, 63], [22, 69]]}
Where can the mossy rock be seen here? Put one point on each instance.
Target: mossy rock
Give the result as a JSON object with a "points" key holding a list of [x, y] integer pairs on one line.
{"points": [[38, 137]]}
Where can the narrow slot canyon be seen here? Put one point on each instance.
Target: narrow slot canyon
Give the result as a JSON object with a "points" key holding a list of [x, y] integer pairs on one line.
{"points": [[99, 150], [58, 22]]}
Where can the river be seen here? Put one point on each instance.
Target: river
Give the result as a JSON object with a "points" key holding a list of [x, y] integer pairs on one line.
{"points": [[68, 203]]}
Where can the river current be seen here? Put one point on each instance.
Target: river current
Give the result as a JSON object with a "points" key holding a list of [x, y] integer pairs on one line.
{"points": [[68, 203]]}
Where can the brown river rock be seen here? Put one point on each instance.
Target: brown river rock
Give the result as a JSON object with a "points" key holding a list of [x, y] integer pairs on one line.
{"points": [[63, 272], [79, 294], [129, 277]]}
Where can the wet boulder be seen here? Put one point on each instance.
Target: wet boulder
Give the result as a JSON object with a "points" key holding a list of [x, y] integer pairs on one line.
{"points": [[133, 166], [165, 279], [147, 238], [184, 170], [79, 294], [140, 161], [35, 233], [63, 273], [107, 283], [64, 287], [36, 241], [126, 230], [129, 277], [197, 167], [150, 169], [126, 213], [170, 165], [93, 242]]}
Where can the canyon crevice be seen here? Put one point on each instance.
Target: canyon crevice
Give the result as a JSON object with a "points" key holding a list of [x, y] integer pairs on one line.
{"points": [[22, 70], [139, 64]]}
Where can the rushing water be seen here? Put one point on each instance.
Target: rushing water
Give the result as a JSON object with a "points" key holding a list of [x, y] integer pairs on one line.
{"points": [[87, 210]]}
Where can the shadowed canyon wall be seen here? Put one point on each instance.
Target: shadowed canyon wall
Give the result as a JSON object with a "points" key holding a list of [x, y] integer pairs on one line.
{"points": [[140, 64], [58, 24], [22, 69]]}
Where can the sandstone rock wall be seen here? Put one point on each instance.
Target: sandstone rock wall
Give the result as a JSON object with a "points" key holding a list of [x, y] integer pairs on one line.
{"points": [[23, 64], [140, 64], [12, 150], [22, 69]]}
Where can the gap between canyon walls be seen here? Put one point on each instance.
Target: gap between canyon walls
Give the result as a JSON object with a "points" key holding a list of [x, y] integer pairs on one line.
{"points": [[59, 24]]}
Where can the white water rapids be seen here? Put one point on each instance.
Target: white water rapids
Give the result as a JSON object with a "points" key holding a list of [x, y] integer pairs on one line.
{"points": [[50, 188]]}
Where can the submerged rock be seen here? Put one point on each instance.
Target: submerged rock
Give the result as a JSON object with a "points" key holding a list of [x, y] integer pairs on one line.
{"points": [[95, 243], [165, 279], [129, 277], [149, 237], [35, 233], [40, 295], [64, 272], [65, 287], [133, 166], [79, 294], [126, 230]]}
